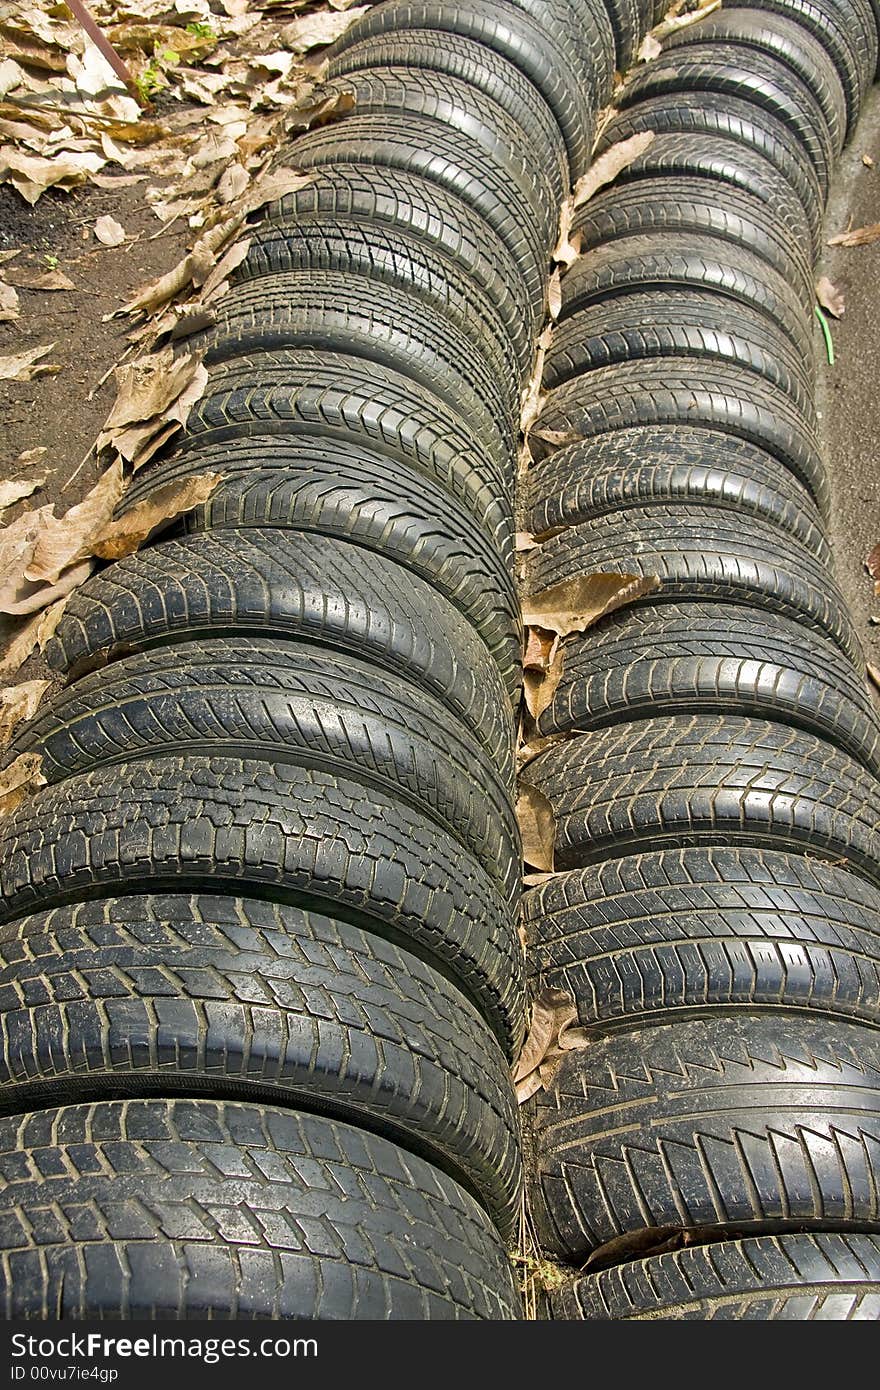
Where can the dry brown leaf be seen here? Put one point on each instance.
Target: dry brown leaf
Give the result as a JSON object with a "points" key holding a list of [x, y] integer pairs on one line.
{"points": [[540, 648], [63, 542], [861, 236], [24, 366], [554, 294], [533, 396], [31, 455], [18, 703], [873, 674], [154, 397], [317, 30], [549, 1038], [537, 826], [109, 232], [540, 684], [13, 491], [34, 633], [535, 880], [9, 303], [557, 439], [830, 297], [616, 158], [524, 541], [649, 49], [127, 534], [19, 779], [676, 20], [193, 270], [217, 282], [867, 161], [233, 181], [576, 603], [39, 280], [568, 247]]}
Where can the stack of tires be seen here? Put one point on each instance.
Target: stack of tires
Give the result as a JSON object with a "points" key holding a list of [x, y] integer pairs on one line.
{"points": [[261, 973], [714, 1149]]}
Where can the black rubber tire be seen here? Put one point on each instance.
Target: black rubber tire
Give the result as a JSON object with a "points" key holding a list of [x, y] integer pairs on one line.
{"points": [[687, 323], [286, 701], [822, 1277], [266, 829], [726, 162], [681, 933], [723, 118], [329, 311], [847, 32], [728, 73], [422, 210], [717, 658], [550, 62], [707, 207], [236, 999], [697, 779], [194, 1209], [491, 73], [629, 23], [719, 397], [419, 145], [675, 262], [702, 554], [730, 1121], [331, 397], [587, 24], [466, 116], [667, 463], [790, 43], [352, 493], [255, 583], [388, 256]]}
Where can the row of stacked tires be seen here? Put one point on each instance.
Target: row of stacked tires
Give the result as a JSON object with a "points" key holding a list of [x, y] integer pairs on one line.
{"points": [[262, 979], [713, 1151]]}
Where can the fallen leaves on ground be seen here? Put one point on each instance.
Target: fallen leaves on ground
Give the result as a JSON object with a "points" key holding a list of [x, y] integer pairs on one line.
{"points": [[537, 826], [609, 164], [164, 505], [860, 236], [18, 703], [542, 669], [680, 16], [38, 280], [24, 366], [17, 489], [154, 396], [316, 30], [830, 297], [648, 49], [19, 780], [550, 1036], [28, 636], [109, 232]]}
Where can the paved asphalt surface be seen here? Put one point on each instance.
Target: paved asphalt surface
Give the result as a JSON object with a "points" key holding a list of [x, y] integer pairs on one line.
{"points": [[849, 392]]}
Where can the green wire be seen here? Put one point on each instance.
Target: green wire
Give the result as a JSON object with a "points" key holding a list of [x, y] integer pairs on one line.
{"points": [[826, 334]]}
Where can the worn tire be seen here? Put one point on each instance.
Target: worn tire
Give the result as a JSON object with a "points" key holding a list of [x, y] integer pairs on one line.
{"points": [[330, 397], [418, 208], [384, 255], [680, 934], [719, 397], [707, 207], [690, 323], [721, 73], [229, 998], [285, 701], [847, 32], [268, 829], [727, 162], [822, 1277], [667, 463], [463, 168], [466, 116], [702, 554], [549, 60], [255, 583], [330, 311], [697, 779], [789, 43], [352, 493], [195, 1209], [728, 1121], [481, 67], [671, 264], [718, 658]]}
